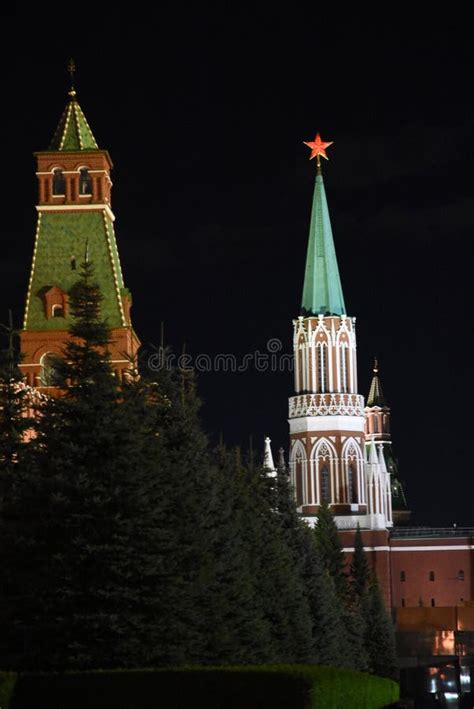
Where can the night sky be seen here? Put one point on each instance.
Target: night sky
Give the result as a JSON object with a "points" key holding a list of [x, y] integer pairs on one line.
{"points": [[204, 112]]}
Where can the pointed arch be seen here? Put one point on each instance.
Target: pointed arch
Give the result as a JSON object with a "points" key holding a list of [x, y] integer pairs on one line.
{"points": [[324, 471], [298, 468], [352, 459]]}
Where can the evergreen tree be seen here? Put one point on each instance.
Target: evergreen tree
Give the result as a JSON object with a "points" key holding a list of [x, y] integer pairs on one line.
{"points": [[231, 612], [278, 571], [78, 534], [328, 633], [380, 637], [360, 575], [330, 549]]}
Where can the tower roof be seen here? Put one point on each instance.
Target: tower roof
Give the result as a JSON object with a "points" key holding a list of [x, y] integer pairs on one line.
{"points": [[73, 132], [376, 397], [322, 291]]}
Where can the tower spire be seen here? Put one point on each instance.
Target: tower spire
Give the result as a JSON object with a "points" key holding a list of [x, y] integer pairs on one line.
{"points": [[73, 132], [322, 291], [376, 397]]}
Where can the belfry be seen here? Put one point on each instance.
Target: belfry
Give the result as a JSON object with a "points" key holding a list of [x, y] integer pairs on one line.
{"points": [[74, 218], [328, 460]]}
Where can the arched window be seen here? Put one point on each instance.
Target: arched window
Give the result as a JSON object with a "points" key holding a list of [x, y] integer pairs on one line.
{"points": [[50, 376], [57, 311], [325, 485], [461, 575], [352, 485], [85, 182], [375, 419], [343, 368], [59, 183], [321, 365], [299, 478]]}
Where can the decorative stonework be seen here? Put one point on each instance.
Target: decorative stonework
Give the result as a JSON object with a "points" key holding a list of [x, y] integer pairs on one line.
{"points": [[326, 405]]}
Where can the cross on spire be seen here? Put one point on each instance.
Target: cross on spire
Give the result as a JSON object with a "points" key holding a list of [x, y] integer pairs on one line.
{"points": [[71, 67]]}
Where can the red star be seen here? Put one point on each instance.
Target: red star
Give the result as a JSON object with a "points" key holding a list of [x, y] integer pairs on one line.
{"points": [[318, 147]]}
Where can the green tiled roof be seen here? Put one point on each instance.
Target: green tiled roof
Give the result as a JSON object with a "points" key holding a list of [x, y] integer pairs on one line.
{"points": [[61, 236], [322, 291], [73, 131], [376, 397]]}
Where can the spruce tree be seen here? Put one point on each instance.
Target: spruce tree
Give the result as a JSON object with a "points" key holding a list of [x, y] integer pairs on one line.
{"points": [[330, 549], [236, 629], [78, 534], [278, 571], [328, 633], [380, 637], [360, 574]]}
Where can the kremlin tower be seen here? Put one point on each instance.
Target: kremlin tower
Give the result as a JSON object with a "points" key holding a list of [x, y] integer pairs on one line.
{"points": [[377, 428], [74, 218], [328, 459]]}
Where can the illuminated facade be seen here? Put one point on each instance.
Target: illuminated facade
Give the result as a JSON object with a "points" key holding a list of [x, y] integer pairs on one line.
{"points": [[328, 458], [341, 450]]}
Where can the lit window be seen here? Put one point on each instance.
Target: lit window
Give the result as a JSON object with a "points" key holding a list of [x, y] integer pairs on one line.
{"points": [[59, 183], [432, 576], [85, 182], [403, 576]]}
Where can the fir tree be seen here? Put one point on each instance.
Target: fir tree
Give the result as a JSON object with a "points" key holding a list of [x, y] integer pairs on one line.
{"points": [[232, 614], [354, 654], [360, 575], [380, 638], [327, 629], [278, 571], [78, 534], [330, 549], [329, 634]]}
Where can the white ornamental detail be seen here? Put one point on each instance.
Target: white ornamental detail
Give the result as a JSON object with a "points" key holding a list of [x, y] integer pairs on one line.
{"points": [[326, 405]]}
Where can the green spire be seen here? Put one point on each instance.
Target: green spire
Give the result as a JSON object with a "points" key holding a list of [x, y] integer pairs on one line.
{"points": [[376, 397], [73, 131], [322, 291]]}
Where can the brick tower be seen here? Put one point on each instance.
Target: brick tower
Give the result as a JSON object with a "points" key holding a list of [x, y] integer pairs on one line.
{"points": [[74, 214], [377, 429], [327, 419]]}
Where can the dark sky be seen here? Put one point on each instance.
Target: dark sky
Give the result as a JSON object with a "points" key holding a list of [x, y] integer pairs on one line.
{"points": [[204, 111]]}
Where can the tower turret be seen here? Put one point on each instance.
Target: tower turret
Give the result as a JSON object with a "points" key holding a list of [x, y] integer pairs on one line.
{"points": [[74, 209], [326, 415], [377, 428]]}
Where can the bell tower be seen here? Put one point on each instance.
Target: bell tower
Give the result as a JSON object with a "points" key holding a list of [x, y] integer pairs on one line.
{"points": [[327, 419], [74, 215]]}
